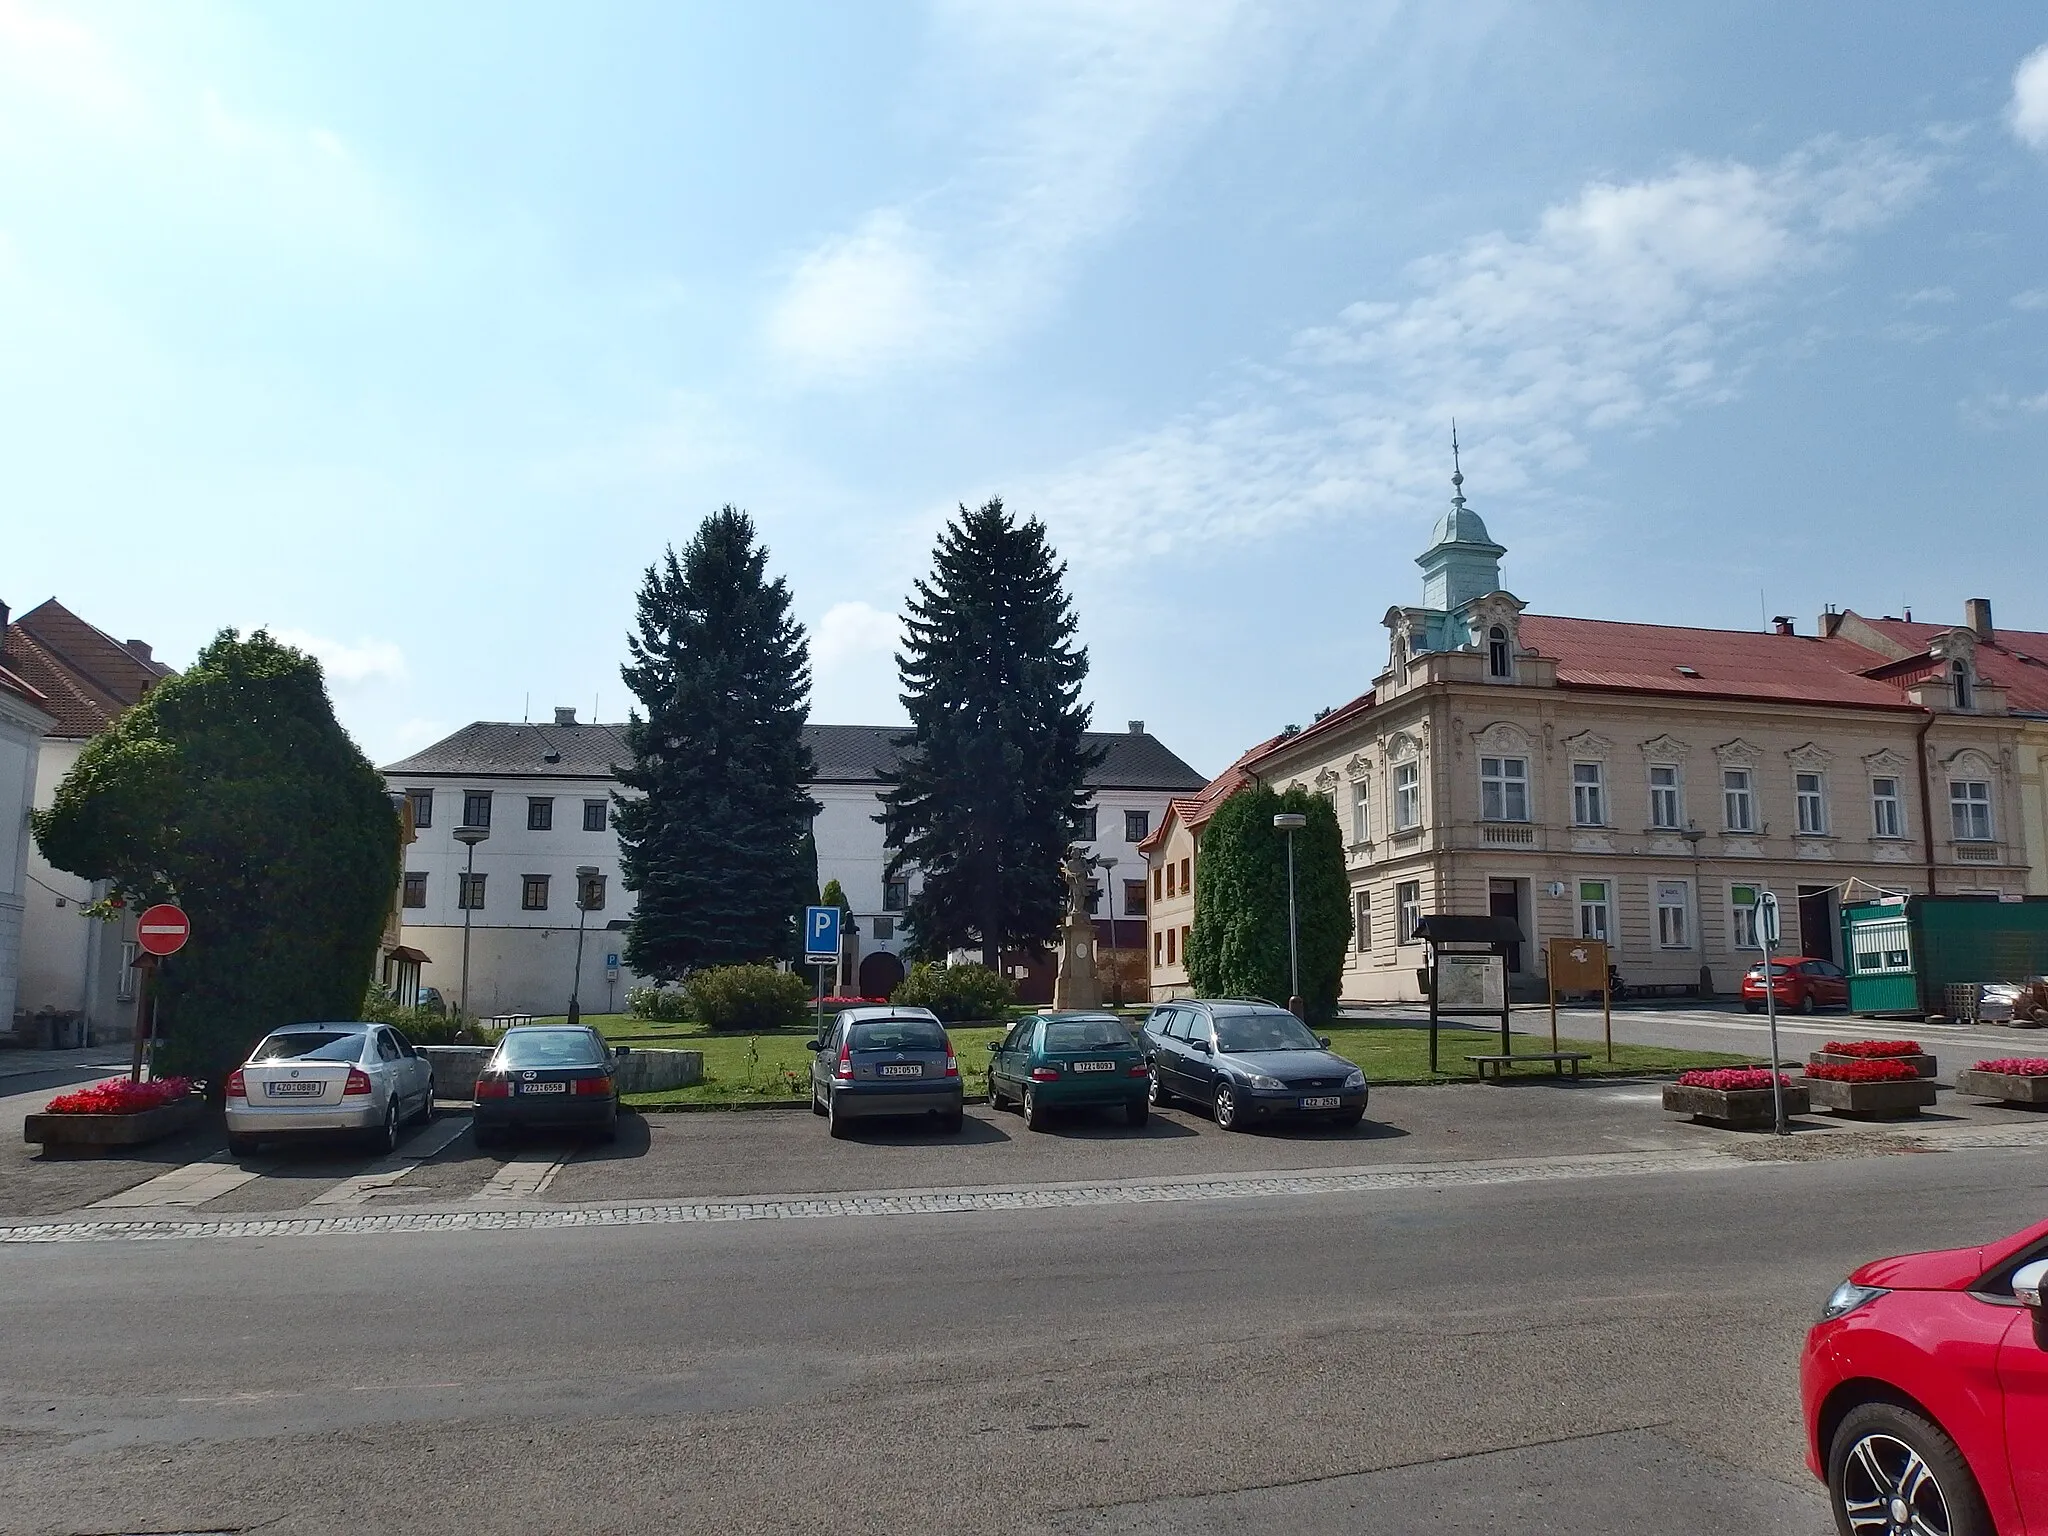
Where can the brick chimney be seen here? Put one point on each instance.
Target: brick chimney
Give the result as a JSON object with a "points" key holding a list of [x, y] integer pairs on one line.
{"points": [[139, 649], [1977, 615], [1782, 624], [565, 714], [1137, 727]]}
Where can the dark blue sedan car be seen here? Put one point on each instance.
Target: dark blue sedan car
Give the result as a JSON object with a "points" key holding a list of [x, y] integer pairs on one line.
{"points": [[1247, 1061]]}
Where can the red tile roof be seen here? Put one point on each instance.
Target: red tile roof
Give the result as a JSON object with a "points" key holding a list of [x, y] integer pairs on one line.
{"points": [[9, 683], [87, 675], [1194, 811], [2013, 659]]}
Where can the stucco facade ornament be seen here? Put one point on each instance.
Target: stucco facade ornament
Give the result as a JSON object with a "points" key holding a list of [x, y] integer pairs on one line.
{"points": [[1811, 848], [1954, 645], [1504, 737], [1811, 758], [1589, 746], [1358, 767], [1968, 764], [1739, 753], [1886, 760], [1327, 780], [1483, 613], [1666, 749], [1401, 746]]}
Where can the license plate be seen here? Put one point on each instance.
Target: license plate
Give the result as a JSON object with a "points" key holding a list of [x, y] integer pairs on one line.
{"points": [[543, 1087], [302, 1089], [1094, 1066], [906, 1069], [1329, 1103]]}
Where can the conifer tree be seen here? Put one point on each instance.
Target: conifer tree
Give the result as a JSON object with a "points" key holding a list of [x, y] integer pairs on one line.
{"points": [[715, 842], [993, 772]]}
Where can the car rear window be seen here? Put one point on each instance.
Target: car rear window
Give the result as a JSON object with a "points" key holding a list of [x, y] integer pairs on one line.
{"points": [[1085, 1035], [313, 1045], [1275, 1031], [898, 1035], [549, 1048]]}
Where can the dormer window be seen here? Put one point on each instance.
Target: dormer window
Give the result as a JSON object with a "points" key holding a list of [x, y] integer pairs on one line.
{"points": [[1964, 685], [1500, 656]]}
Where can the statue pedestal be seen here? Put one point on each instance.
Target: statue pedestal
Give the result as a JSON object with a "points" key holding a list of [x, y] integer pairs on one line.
{"points": [[1077, 986]]}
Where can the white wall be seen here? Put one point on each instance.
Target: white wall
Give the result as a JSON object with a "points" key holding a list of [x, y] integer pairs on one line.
{"points": [[21, 734]]}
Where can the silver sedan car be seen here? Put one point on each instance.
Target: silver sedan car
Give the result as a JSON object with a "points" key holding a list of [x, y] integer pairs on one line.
{"points": [[321, 1078]]}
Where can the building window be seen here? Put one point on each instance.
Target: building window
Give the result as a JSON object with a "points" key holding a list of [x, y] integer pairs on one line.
{"points": [[1408, 898], [540, 813], [1965, 686], [1674, 931], [1094, 898], [1158, 949], [422, 801], [1361, 811], [124, 984], [1361, 922], [1407, 796], [1969, 809], [895, 895], [469, 892], [1593, 909], [1134, 898], [1742, 916], [1185, 932], [415, 889], [1137, 826], [1159, 884], [1084, 826], [591, 892], [533, 893], [1500, 656], [1738, 803], [1667, 813], [1812, 804], [476, 808], [1589, 796], [1172, 954], [1504, 788], [885, 927], [594, 815], [1187, 882], [1887, 815]]}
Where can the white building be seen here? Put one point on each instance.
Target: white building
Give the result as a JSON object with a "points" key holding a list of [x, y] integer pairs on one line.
{"points": [[543, 791], [24, 717]]}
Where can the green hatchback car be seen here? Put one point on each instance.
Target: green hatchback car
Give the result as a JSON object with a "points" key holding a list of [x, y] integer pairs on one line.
{"points": [[1055, 1061]]}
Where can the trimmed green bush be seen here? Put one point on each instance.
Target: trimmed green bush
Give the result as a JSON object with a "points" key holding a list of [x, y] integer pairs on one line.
{"points": [[663, 1005], [730, 998], [956, 993]]}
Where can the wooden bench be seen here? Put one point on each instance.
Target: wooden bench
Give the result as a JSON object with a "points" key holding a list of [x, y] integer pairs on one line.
{"points": [[1557, 1060]]}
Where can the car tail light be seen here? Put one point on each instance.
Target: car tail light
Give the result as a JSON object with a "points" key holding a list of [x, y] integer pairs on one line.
{"points": [[844, 1070], [592, 1085], [1141, 1070], [952, 1066], [358, 1082], [237, 1089], [1045, 1074], [493, 1088]]}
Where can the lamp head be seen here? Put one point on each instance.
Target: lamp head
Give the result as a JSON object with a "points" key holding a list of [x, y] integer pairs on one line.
{"points": [[1289, 821]]}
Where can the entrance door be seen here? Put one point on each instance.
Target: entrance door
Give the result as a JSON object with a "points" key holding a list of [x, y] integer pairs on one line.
{"points": [[881, 973], [1817, 921], [1503, 899]]}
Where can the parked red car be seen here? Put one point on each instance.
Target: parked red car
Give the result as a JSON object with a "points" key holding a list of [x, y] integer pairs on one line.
{"points": [[1801, 982], [1925, 1388]]}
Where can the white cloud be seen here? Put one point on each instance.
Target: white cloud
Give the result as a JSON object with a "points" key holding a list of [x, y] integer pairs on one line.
{"points": [[2027, 115], [854, 634], [1062, 108], [1938, 295], [348, 666], [1616, 311], [2033, 298]]}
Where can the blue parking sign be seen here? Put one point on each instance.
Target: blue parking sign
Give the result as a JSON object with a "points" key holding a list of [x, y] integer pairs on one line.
{"points": [[821, 934]]}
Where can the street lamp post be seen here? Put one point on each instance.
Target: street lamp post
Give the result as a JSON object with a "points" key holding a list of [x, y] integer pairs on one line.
{"points": [[469, 837], [1292, 822], [584, 875], [1109, 883]]}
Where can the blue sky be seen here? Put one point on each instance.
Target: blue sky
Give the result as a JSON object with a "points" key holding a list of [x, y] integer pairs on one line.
{"points": [[415, 332]]}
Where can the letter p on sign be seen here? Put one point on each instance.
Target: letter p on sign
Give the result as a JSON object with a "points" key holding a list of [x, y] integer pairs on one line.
{"points": [[821, 934]]}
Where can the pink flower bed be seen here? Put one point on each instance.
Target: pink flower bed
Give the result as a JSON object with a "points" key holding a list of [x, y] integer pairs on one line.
{"points": [[850, 1002], [1875, 1071], [1873, 1048], [1730, 1079], [2015, 1066], [120, 1097]]}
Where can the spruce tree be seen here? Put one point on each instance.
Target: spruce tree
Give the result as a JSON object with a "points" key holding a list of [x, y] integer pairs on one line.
{"points": [[994, 772], [714, 843]]}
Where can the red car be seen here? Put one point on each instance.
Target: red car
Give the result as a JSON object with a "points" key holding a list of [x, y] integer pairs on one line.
{"points": [[1801, 982], [1925, 1389]]}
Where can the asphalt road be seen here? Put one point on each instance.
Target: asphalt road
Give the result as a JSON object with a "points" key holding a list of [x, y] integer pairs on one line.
{"points": [[1599, 1355]]}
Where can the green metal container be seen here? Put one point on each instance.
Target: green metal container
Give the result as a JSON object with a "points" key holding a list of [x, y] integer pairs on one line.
{"points": [[1903, 955]]}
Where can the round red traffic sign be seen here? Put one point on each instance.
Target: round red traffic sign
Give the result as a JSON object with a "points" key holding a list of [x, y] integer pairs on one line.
{"points": [[163, 929]]}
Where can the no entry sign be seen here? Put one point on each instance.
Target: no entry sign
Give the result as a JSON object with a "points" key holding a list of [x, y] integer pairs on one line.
{"points": [[163, 929]]}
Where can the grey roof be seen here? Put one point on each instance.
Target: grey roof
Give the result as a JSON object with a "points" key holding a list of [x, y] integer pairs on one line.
{"points": [[845, 754]]}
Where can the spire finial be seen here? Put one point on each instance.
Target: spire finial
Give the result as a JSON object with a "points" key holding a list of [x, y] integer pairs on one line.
{"points": [[1457, 472]]}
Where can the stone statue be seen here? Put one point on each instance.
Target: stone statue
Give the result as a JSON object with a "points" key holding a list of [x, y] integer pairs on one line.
{"points": [[1076, 985]]}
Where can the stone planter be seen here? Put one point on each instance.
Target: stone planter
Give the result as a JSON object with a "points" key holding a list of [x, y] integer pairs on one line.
{"points": [[455, 1069], [654, 1069], [96, 1132], [1742, 1109], [2007, 1087], [1879, 1101], [1922, 1063]]}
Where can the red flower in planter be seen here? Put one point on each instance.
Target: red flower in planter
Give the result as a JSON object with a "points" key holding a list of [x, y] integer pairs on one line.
{"points": [[2015, 1066], [1864, 1072], [1730, 1079], [120, 1097], [1872, 1048]]}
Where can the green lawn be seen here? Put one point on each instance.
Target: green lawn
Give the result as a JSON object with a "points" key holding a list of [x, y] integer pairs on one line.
{"points": [[775, 1067]]}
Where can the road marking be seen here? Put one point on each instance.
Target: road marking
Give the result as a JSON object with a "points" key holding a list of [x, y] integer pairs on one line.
{"points": [[193, 1184], [527, 1175], [925, 1202], [429, 1141]]}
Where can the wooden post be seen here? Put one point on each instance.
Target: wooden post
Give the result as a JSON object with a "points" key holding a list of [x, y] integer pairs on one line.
{"points": [[145, 965], [1607, 1012], [1551, 975]]}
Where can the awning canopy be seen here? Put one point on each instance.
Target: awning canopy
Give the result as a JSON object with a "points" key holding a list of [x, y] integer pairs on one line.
{"points": [[407, 952], [1453, 928]]}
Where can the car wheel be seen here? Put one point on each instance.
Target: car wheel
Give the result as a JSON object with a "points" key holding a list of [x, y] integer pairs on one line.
{"points": [[427, 1104], [835, 1122], [955, 1123], [1893, 1469], [1806, 1003], [483, 1136], [1034, 1112], [1155, 1092], [1226, 1108], [385, 1137], [243, 1146], [995, 1095], [1136, 1112]]}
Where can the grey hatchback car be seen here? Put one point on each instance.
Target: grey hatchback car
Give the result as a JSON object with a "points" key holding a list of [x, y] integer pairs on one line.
{"points": [[886, 1061]]}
